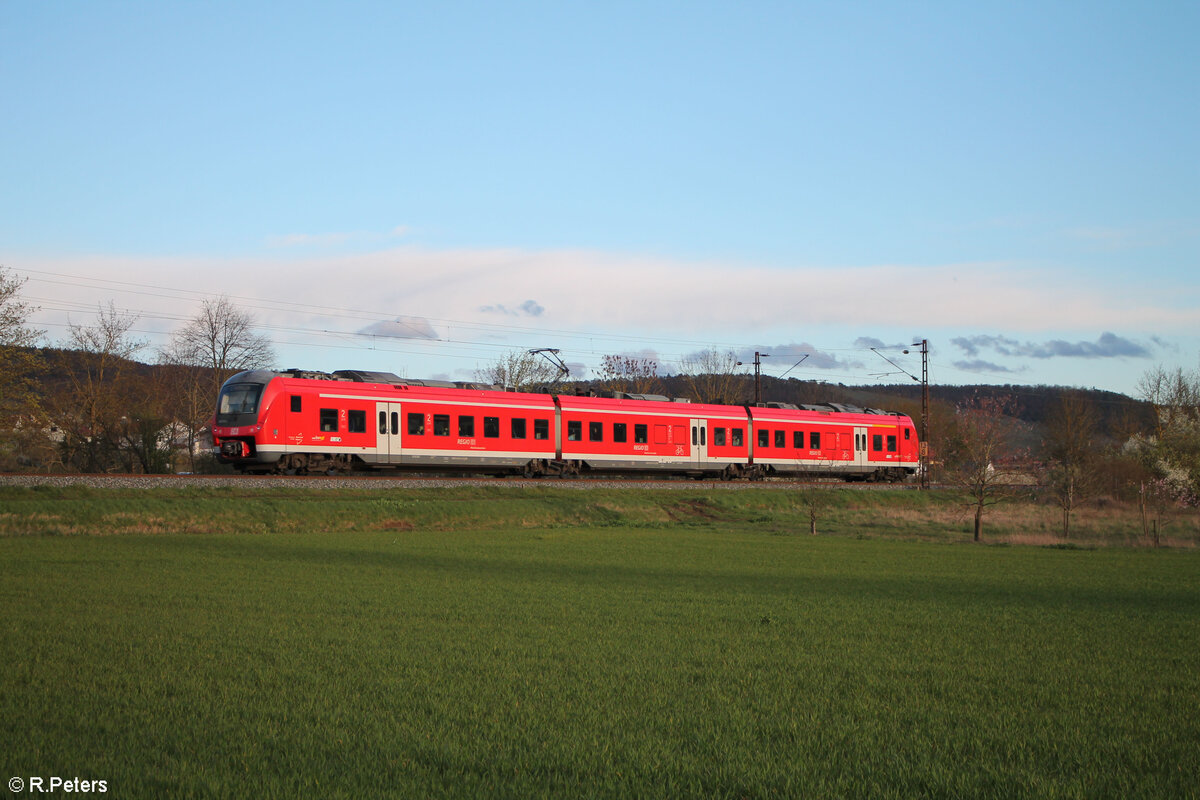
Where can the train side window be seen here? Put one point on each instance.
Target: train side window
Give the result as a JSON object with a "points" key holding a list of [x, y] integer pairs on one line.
{"points": [[877, 441], [764, 438], [718, 437], [620, 432], [395, 422], [735, 437], [781, 439], [574, 430], [595, 431], [814, 440], [416, 424], [541, 429], [640, 434], [907, 431], [356, 421], [695, 436], [491, 427], [798, 440], [296, 402], [383, 422], [518, 427], [466, 427], [441, 424], [891, 444], [329, 420]]}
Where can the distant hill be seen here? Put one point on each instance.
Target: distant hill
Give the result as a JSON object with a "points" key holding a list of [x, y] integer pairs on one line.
{"points": [[1119, 414]]}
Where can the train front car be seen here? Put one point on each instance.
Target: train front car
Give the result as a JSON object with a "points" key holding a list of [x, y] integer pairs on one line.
{"points": [[242, 406], [834, 440]]}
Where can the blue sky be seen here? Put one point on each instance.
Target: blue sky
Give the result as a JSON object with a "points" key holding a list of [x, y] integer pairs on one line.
{"points": [[420, 187]]}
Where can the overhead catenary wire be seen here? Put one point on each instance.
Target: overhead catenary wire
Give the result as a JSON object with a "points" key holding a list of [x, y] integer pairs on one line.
{"points": [[443, 347]]}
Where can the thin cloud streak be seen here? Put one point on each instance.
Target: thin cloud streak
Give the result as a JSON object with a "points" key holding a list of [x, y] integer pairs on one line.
{"points": [[587, 290], [591, 289]]}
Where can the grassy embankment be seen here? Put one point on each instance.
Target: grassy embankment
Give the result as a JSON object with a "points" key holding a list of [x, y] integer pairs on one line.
{"points": [[528, 643]]}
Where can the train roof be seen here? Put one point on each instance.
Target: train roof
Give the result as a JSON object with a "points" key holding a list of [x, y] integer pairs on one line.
{"points": [[624, 398]]}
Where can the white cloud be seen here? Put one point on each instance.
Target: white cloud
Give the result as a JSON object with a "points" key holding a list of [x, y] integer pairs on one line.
{"points": [[401, 327]]}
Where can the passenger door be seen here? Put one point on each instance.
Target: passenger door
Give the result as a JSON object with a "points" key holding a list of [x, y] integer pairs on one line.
{"points": [[387, 427], [860, 447], [699, 442]]}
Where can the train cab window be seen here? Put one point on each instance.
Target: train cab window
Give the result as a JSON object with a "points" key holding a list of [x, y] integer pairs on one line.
{"points": [[574, 431], [781, 439], [640, 434], [518, 428], [356, 422], [798, 440], [718, 437], [541, 429], [891, 444], [877, 442], [814, 440], [735, 437], [239, 398], [620, 432], [441, 424], [329, 420], [491, 427], [416, 424], [466, 427], [296, 402], [764, 438], [595, 431]]}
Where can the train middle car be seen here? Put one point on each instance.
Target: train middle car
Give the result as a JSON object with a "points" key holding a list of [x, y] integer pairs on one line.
{"points": [[298, 422]]}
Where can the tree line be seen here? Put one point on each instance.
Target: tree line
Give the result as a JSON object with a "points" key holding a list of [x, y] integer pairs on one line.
{"points": [[87, 405]]}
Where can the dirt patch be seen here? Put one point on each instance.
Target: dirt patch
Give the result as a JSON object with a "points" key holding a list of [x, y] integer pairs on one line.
{"points": [[690, 511]]}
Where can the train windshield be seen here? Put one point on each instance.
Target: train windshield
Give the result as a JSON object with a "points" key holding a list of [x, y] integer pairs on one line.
{"points": [[240, 398]]}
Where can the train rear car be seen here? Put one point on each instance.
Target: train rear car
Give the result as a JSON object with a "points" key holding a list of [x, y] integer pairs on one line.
{"points": [[842, 441]]}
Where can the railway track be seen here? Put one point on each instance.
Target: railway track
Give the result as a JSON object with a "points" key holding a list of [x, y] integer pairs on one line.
{"points": [[109, 481]]}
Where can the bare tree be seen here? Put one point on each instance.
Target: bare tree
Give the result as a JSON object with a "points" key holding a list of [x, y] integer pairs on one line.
{"points": [[815, 503], [94, 411], [18, 395], [629, 373], [978, 452], [216, 343], [189, 399], [519, 369], [221, 338], [1172, 453], [1175, 396], [711, 376], [1070, 447]]}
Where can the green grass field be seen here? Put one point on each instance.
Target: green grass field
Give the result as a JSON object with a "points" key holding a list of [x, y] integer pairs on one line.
{"points": [[554, 643]]}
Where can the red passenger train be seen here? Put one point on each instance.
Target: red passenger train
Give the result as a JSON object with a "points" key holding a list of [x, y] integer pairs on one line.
{"points": [[298, 422]]}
